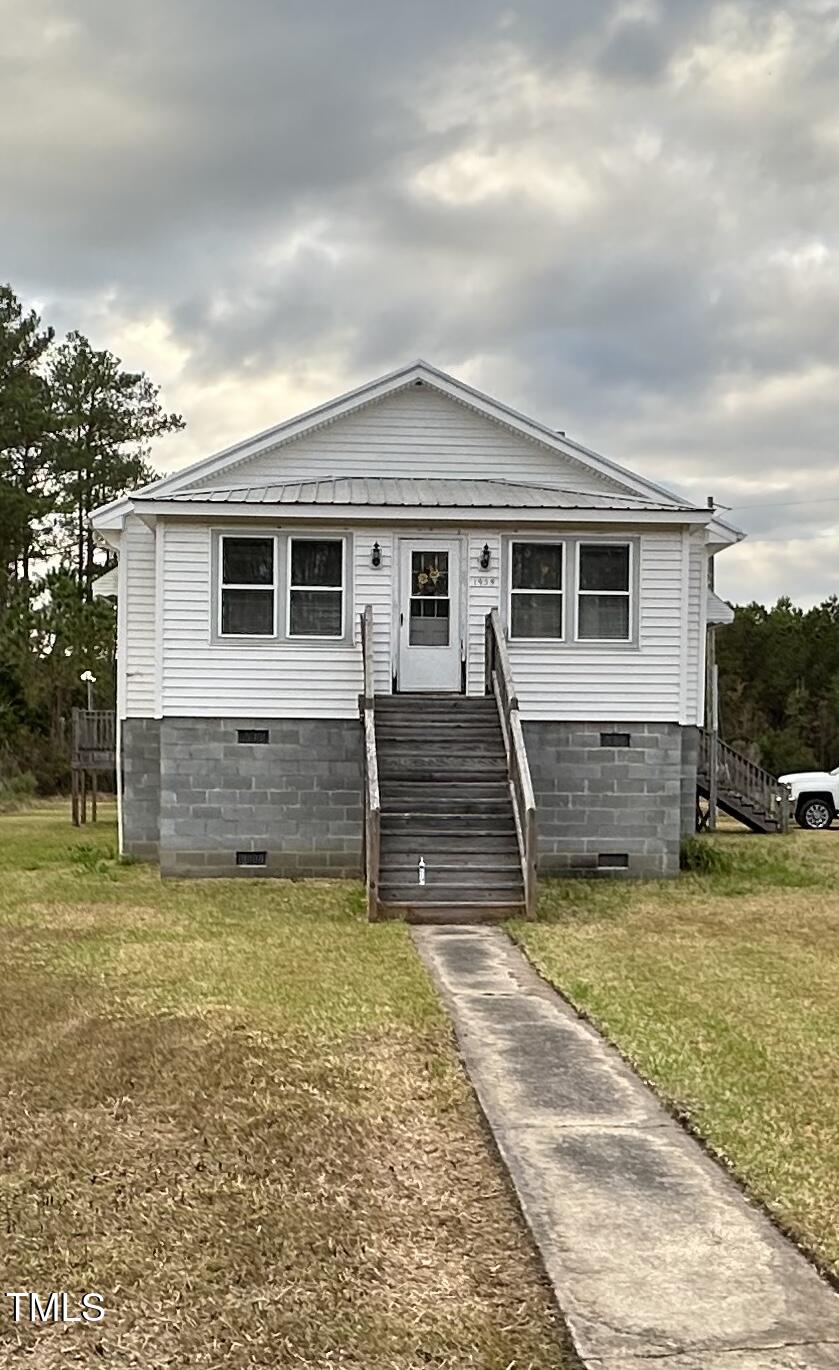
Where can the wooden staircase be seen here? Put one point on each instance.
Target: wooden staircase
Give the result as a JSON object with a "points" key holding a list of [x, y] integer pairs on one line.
{"points": [[449, 813], [740, 788], [445, 800]]}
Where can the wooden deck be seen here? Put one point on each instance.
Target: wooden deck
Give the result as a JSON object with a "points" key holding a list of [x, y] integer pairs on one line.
{"points": [[93, 752]]}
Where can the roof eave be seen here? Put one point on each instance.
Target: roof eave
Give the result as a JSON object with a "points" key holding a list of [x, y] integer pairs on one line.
{"points": [[414, 513]]}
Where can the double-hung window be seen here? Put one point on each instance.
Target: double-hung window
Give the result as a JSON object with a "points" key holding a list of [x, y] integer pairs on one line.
{"points": [[536, 597], [247, 590], [315, 587], [603, 591]]}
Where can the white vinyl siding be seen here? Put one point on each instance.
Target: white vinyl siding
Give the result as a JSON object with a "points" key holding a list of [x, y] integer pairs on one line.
{"points": [[418, 432], [562, 680], [485, 588], [696, 620], [376, 585], [136, 614], [630, 683], [208, 678]]}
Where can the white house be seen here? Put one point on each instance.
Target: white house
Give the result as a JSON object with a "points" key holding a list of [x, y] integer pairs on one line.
{"points": [[241, 586]]}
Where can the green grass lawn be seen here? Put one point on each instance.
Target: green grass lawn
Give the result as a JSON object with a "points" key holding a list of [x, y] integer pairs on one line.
{"points": [[234, 1109], [723, 990]]}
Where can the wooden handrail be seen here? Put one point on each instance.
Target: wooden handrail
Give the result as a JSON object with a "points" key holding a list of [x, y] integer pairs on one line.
{"points": [[738, 774], [372, 799], [499, 682]]}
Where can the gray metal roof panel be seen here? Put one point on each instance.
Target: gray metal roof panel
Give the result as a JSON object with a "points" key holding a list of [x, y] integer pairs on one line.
{"points": [[414, 492]]}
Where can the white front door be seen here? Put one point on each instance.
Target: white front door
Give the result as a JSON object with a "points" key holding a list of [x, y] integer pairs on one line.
{"points": [[429, 614]]}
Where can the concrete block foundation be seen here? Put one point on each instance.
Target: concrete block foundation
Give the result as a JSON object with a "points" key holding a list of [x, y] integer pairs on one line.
{"points": [[613, 799], [610, 797], [296, 797], [140, 753]]}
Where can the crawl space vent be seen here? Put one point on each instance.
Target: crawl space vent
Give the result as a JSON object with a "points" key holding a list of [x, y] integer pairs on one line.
{"points": [[251, 858], [614, 739], [252, 735]]}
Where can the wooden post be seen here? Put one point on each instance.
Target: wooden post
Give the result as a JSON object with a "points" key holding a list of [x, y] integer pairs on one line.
{"points": [[94, 777], [74, 796], [83, 794], [714, 761]]}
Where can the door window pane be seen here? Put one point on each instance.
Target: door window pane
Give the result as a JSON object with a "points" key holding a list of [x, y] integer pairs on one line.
{"points": [[429, 573], [604, 567], [429, 623]]}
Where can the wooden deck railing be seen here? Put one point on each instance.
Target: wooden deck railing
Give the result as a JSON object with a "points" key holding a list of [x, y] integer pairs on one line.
{"points": [[372, 800], [94, 734], [728, 770], [499, 682], [93, 750]]}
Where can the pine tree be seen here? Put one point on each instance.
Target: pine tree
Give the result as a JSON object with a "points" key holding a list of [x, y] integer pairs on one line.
{"points": [[104, 419]]}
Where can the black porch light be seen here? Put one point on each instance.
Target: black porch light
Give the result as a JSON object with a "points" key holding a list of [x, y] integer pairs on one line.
{"points": [[485, 557], [376, 555]]}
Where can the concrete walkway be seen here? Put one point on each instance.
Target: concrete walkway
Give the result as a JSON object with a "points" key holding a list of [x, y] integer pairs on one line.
{"points": [[654, 1253]]}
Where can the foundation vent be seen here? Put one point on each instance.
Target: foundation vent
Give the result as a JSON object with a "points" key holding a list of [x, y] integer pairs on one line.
{"points": [[252, 735], [251, 858], [615, 739], [612, 861]]}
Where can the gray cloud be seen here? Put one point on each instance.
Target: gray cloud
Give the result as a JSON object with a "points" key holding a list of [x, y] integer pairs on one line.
{"points": [[619, 215]]}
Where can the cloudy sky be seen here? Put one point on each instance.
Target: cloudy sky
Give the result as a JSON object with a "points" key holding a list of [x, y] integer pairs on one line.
{"points": [[622, 218]]}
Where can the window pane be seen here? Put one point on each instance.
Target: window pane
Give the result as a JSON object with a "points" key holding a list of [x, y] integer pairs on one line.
{"points": [[315, 613], [429, 573], [604, 568], [247, 561], [536, 615], [429, 623], [604, 616], [316, 563], [247, 611], [537, 566]]}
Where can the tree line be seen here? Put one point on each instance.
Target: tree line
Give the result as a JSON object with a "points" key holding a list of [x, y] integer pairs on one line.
{"points": [[75, 432], [779, 685]]}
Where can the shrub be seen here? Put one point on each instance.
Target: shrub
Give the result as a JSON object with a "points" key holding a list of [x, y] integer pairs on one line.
{"points": [[699, 855], [15, 788], [94, 860]]}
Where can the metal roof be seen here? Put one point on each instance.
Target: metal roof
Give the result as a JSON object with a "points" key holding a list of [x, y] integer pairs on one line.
{"points": [[718, 611], [407, 492], [106, 584]]}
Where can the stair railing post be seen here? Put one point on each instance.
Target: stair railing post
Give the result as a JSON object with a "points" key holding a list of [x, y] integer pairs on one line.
{"points": [[714, 758]]}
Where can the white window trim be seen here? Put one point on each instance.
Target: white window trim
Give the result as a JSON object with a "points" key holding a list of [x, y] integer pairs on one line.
{"points": [[264, 589], [616, 594], [563, 593], [316, 589]]}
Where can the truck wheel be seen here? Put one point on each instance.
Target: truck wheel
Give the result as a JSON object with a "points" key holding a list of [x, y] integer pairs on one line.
{"points": [[815, 813]]}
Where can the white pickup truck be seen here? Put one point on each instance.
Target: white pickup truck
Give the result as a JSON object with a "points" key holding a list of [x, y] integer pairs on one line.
{"points": [[815, 797]]}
